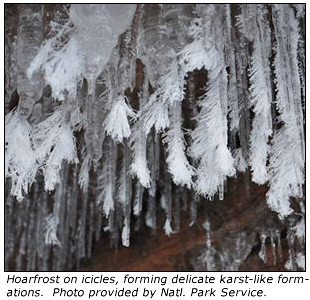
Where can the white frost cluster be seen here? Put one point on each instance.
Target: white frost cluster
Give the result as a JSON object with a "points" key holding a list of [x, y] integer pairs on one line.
{"points": [[116, 124]]}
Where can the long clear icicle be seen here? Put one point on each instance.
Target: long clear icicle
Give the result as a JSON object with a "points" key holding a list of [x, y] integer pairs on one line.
{"points": [[230, 58], [139, 166], [178, 164], [261, 96], [30, 37], [287, 149], [209, 138]]}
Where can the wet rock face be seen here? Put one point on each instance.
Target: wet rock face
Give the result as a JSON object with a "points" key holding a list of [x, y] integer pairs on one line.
{"points": [[146, 159]]}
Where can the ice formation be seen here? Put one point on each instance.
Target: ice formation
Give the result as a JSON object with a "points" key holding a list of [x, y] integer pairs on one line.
{"points": [[105, 95]]}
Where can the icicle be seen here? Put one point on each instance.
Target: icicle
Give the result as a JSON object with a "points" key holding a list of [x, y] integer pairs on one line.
{"points": [[106, 185], [10, 63], [244, 25], [31, 243], [279, 244], [150, 42], [21, 253], [191, 96], [208, 256], [178, 16], [72, 202], [9, 234], [94, 133], [262, 252], [127, 62], [81, 230], [221, 191], [301, 56], [167, 204], [60, 264], [124, 196], [177, 212], [41, 246], [127, 212], [155, 169], [178, 164], [51, 229], [64, 222], [97, 34], [245, 20], [29, 36], [139, 166], [273, 249], [113, 226], [137, 204], [291, 263], [52, 221], [240, 163], [167, 228], [33, 240], [126, 233], [193, 209], [98, 223], [24, 211], [150, 217], [287, 150], [153, 158], [122, 191], [91, 222], [84, 173], [167, 79], [20, 159], [261, 97], [209, 138], [209, 144], [229, 41]]}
